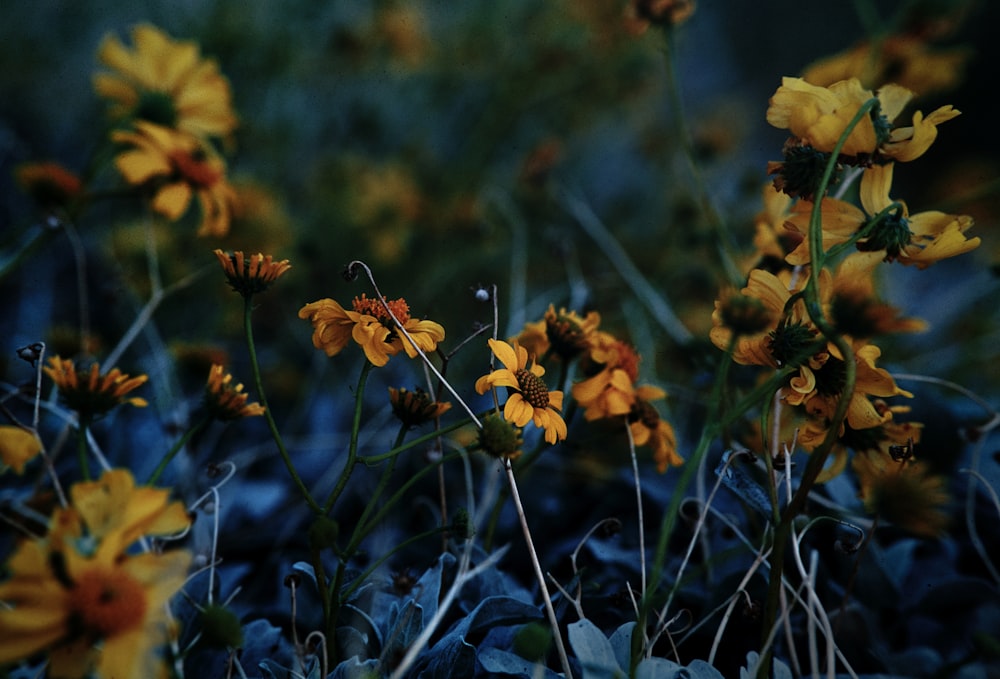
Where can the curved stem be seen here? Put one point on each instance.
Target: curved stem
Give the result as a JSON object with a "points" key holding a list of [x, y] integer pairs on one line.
{"points": [[259, 384], [352, 450], [188, 435]]}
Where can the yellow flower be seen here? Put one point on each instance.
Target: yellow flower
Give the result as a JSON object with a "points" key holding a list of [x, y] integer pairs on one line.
{"points": [[226, 401], [790, 338], [82, 598], [18, 446], [903, 492], [529, 399], [648, 428], [919, 239], [906, 59], [370, 325], [413, 408], [610, 391], [165, 82], [91, 393], [854, 308], [253, 275], [179, 167], [817, 117]]}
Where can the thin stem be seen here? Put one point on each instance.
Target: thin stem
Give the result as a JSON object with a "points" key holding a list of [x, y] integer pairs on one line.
{"points": [[259, 384], [638, 504], [183, 441], [81, 446], [372, 460], [549, 610], [352, 450], [361, 528]]}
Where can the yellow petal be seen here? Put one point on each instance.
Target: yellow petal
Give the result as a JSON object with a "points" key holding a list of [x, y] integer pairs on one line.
{"points": [[18, 447]]}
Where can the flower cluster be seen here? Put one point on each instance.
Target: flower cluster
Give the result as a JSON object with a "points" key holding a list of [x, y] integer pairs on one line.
{"points": [[83, 597]]}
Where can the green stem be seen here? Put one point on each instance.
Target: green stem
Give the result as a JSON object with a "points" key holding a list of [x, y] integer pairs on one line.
{"points": [[373, 460], [259, 384], [360, 580], [817, 459], [188, 435], [362, 528], [352, 451]]}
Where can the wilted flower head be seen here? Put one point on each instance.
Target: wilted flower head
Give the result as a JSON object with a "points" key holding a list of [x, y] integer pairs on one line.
{"points": [[90, 393], [500, 438], [250, 275], [413, 408], [904, 493], [227, 401]]}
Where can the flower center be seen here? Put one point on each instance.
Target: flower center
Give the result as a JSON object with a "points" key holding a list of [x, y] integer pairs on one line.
{"points": [[882, 125], [533, 389], [791, 343], [643, 411], [194, 169], [157, 107], [891, 234], [373, 307], [801, 171], [107, 603]]}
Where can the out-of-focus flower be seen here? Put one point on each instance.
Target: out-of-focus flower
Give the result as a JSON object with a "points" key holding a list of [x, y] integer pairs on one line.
{"points": [[919, 239], [250, 275], [179, 167], [413, 408], [772, 241], [529, 398], [856, 310], [904, 493], [564, 333], [648, 428], [50, 185], [386, 202], [227, 401], [906, 60], [18, 447], [165, 82], [402, 28], [90, 393], [817, 117], [81, 597], [641, 14], [371, 326]]}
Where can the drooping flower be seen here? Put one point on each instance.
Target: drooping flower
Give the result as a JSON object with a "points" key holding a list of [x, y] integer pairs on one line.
{"points": [[226, 401], [791, 336], [921, 239], [91, 393], [904, 492], [906, 60], [178, 167], [529, 398], [564, 333], [248, 276], [612, 367], [371, 326], [855, 308], [413, 408], [18, 446], [165, 82], [78, 594], [818, 116], [648, 428]]}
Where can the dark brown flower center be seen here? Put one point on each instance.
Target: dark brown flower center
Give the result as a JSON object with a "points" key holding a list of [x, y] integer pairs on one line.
{"points": [[533, 389]]}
